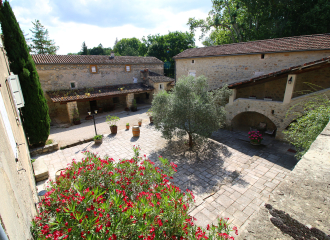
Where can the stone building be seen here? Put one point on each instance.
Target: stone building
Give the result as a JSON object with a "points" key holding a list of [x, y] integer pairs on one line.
{"points": [[268, 77], [17, 185], [86, 82]]}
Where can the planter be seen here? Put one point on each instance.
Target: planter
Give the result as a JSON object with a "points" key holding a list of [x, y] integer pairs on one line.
{"points": [[140, 124], [98, 141], [89, 117], [151, 119], [136, 131], [113, 129], [127, 127], [76, 122], [255, 143]]}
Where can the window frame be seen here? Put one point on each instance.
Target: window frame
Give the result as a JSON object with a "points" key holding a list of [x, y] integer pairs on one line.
{"points": [[91, 67], [130, 68]]}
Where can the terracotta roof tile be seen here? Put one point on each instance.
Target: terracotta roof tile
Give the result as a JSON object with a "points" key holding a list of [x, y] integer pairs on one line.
{"points": [[288, 44], [159, 79], [283, 71], [93, 59], [80, 94]]}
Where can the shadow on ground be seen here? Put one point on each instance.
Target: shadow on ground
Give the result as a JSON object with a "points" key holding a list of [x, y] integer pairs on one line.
{"points": [[272, 150], [200, 169]]}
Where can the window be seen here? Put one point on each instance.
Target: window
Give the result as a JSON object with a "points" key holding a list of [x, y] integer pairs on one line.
{"points": [[161, 87], [73, 85], [127, 68], [192, 73], [262, 56], [192, 61], [93, 68]]}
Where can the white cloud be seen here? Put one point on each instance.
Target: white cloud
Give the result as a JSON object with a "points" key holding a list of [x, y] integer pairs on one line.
{"points": [[70, 35]]}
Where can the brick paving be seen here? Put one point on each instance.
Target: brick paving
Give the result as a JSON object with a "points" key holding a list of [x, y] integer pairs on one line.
{"points": [[229, 177]]}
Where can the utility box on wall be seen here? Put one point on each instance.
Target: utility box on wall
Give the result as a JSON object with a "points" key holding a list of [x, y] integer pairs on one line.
{"points": [[16, 89]]}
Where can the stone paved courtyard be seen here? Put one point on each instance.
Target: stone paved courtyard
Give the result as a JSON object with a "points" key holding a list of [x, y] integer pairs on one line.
{"points": [[229, 177]]}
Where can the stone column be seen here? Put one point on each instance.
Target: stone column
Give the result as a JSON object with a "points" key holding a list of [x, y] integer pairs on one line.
{"points": [[129, 99], [71, 106], [289, 88], [232, 97]]}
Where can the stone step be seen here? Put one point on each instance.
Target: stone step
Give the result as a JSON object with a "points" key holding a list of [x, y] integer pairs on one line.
{"points": [[40, 170]]}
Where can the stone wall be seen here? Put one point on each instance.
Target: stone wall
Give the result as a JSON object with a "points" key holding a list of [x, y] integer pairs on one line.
{"points": [[299, 207], [274, 110], [274, 89], [58, 77], [229, 69], [17, 185]]}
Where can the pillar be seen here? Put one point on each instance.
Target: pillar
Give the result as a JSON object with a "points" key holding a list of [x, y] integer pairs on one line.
{"points": [[232, 97], [289, 88], [71, 106], [129, 99]]}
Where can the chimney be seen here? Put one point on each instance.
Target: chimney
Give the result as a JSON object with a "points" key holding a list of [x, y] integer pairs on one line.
{"points": [[112, 55]]}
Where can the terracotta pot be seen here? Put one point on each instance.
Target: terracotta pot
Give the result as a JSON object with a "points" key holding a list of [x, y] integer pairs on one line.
{"points": [[254, 143], [127, 127], [98, 141], [113, 129], [140, 124], [151, 119], [76, 122], [136, 131]]}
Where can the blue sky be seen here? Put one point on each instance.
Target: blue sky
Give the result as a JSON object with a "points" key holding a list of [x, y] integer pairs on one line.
{"points": [[70, 22]]}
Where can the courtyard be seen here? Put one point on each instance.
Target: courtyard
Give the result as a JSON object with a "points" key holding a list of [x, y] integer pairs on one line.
{"points": [[229, 177]]}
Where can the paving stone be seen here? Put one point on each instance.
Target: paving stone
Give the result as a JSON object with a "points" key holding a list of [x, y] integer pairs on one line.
{"points": [[224, 200], [40, 169]]}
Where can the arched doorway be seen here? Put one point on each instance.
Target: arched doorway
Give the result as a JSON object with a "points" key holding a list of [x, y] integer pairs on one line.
{"points": [[245, 120]]}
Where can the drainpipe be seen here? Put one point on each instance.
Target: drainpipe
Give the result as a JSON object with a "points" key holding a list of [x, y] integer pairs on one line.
{"points": [[3, 235]]}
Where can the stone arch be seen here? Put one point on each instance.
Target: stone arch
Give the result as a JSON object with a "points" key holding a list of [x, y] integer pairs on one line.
{"points": [[244, 120]]}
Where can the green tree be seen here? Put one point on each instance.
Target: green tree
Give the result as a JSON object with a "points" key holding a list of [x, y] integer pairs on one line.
{"points": [[84, 49], [41, 44], [190, 109], [99, 50], [128, 47], [164, 47], [310, 119], [233, 21], [36, 121]]}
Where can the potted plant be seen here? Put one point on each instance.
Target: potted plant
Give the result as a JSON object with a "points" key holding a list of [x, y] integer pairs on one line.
{"points": [[149, 113], [255, 137], [98, 139], [140, 122], [134, 106], [75, 117], [112, 120], [127, 126]]}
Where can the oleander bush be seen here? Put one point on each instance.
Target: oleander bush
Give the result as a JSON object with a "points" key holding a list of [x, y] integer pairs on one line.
{"points": [[132, 199]]}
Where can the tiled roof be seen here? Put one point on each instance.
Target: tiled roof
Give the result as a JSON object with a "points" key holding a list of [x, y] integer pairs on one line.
{"points": [[159, 79], [288, 44], [99, 92], [92, 59], [283, 72]]}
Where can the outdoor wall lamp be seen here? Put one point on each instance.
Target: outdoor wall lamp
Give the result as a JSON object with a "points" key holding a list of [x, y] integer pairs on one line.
{"points": [[93, 114], [290, 80]]}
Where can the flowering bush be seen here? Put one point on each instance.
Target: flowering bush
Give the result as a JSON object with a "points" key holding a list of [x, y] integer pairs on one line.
{"points": [[255, 137], [99, 199]]}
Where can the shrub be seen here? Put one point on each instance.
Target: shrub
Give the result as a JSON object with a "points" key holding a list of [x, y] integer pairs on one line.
{"points": [[100, 199], [112, 120]]}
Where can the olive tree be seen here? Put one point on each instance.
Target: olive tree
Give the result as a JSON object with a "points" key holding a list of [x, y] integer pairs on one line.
{"points": [[190, 109]]}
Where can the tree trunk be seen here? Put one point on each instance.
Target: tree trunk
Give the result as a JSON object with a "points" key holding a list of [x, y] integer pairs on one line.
{"points": [[190, 140]]}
